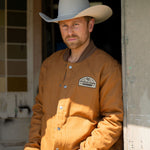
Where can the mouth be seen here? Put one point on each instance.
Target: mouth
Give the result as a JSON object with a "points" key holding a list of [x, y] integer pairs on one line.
{"points": [[70, 39]]}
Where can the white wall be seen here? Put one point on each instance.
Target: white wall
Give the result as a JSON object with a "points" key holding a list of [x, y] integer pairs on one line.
{"points": [[13, 133], [136, 73]]}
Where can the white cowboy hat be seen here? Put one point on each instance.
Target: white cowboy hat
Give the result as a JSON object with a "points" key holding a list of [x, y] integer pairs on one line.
{"points": [[69, 9]]}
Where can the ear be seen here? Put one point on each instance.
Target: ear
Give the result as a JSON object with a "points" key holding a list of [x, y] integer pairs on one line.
{"points": [[91, 24]]}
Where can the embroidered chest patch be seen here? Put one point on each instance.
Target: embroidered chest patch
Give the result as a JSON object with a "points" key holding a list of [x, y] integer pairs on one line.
{"points": [[87, 82]]}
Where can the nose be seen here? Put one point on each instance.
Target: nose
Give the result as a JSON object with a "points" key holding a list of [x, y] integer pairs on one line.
{"points": [[70, 30]]}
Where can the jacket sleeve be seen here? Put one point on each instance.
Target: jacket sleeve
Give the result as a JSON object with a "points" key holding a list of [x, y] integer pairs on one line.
{"points": [[109, 128], [35, 128]]}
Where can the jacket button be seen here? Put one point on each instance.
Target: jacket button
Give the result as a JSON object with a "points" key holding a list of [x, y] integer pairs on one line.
{"points": [[58, 128], [61, 107], [65, 86], [70, 67]]}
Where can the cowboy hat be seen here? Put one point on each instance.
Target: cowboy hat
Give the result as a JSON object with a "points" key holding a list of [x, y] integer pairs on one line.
{"points": [[69, 9]]}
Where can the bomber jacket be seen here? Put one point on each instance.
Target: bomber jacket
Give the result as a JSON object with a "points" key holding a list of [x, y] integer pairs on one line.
{"points": [[79, 105]]}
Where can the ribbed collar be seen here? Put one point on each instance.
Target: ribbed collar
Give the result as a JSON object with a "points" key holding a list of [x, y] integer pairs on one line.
{"points": [[86, 53]]}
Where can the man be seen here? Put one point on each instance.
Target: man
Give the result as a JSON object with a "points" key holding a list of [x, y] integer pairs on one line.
{"points": [[79, 105]]}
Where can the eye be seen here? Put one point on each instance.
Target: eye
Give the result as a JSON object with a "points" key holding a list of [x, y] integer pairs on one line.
{"points": [[76, 24], [64, 26]]}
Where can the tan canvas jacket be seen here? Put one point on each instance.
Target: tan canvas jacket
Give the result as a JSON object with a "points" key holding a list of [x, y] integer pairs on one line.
{"points": [[79, 104]]}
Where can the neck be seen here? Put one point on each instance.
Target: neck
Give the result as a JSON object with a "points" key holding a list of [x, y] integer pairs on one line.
{"points": [[77, 52]]}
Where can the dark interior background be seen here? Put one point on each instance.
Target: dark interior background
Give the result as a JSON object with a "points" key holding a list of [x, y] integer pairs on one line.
{"points": [[106, 35]]}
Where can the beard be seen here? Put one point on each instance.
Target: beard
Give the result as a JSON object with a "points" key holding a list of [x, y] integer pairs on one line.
{"points": [[73, 44]]}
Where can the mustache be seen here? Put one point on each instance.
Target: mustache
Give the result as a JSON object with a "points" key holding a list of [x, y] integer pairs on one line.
{"points": [[73, 36]]}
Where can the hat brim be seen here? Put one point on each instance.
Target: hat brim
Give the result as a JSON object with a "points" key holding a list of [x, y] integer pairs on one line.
{"points": [[99, 12]]}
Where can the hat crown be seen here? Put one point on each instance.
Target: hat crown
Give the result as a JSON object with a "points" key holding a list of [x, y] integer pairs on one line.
{"points": [[67, 7]]}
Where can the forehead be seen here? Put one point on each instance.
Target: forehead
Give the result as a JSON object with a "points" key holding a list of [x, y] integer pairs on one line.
{"points": [[81, 19]]}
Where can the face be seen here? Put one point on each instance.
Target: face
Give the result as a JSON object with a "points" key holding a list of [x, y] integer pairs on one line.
{"points": [[76, 32]]}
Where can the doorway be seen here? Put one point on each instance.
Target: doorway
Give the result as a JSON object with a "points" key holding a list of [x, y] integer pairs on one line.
{"points": [[106, 35]]}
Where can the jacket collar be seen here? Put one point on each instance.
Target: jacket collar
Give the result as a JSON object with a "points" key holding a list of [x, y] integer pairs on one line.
{"points": [[86, 53]]}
